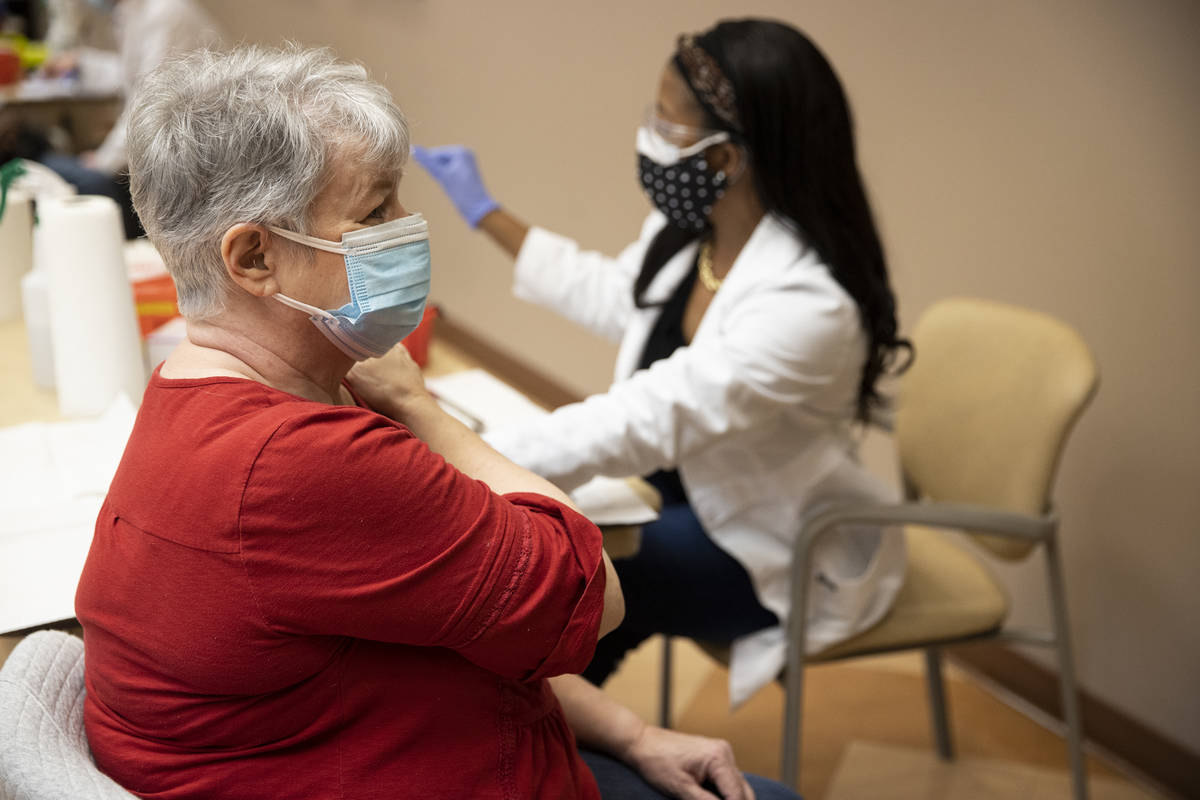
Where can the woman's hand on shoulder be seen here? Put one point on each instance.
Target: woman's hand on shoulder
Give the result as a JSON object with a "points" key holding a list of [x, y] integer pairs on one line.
{"points": [[681, 764], [390, 383]]}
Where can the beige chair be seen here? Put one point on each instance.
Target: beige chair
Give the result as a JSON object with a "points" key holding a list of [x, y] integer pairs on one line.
{"points": [[982, 420]]}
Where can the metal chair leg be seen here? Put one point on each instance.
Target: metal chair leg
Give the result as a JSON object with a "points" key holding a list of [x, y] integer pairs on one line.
{"points": [[1066, 670], [792, 717], [664, 689], [793, 704], [937, 703]]}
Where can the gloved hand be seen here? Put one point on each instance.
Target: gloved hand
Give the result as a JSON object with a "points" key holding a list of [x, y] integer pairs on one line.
{"points": [[453, 167]]}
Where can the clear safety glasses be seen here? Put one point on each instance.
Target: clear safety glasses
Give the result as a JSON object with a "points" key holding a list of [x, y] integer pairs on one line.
{"points": [[674, 133]]}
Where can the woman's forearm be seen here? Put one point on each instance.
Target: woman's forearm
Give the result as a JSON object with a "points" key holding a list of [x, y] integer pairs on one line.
{"points": [[677, 764], [505, 230], [598, 721]]}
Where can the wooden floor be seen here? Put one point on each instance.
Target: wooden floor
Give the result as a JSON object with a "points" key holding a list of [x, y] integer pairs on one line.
{"points": [[867, 732], [866, 724]]}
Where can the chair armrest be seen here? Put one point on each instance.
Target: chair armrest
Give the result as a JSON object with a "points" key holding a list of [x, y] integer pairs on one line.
{"points": [[826, 519], [939, 515]]}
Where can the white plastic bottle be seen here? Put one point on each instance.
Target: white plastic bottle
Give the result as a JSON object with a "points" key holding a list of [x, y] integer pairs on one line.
{"points": [[16, 250], [35, 298]]}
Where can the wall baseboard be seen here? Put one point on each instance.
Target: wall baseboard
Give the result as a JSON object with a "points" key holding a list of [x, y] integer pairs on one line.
{"points": [[516, 373], [1160, 759]]}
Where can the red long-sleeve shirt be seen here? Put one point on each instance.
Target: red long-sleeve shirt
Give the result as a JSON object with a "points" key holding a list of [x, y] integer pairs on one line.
{"points": [[286, 599]]}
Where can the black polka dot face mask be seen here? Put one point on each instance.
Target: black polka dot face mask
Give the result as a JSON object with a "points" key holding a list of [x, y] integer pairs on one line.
{"points": [[678, 180]]}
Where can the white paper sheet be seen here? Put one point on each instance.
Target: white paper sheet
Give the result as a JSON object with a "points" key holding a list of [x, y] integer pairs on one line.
{"points": [[53, 478], [610, 501], [486, 398], [477, 395]]}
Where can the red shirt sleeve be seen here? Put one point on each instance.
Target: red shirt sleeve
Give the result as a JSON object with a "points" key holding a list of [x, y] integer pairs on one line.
{"points": [[351, 526]]}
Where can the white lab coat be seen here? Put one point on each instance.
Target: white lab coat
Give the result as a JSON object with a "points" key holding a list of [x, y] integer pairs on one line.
{"points": [[147, 32], [756, 414]]}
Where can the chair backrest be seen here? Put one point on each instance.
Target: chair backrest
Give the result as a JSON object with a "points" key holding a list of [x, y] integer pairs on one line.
{"points": [[983, 415], [44, 753]]}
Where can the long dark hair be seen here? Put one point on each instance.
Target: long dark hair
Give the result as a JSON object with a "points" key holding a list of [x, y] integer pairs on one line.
{"points": [[795, 123]]}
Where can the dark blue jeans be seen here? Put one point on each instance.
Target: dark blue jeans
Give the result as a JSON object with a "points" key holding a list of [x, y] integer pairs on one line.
{"points": [[620, 782], [90, 181], [679, 583]]}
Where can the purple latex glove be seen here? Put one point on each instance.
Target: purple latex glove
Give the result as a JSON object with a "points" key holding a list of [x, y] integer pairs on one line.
{"points": [[453, 167]]}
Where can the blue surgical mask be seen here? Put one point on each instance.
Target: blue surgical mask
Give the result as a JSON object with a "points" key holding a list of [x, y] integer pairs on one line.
{"points": [[387, 267]]}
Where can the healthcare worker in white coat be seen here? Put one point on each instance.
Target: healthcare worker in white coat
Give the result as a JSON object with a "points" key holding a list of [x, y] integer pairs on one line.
{"points": [[754, 317]]}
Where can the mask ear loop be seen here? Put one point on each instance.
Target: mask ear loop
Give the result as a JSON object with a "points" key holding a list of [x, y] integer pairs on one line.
{"points": [[312, 311], [704, 144], [310, 241]]}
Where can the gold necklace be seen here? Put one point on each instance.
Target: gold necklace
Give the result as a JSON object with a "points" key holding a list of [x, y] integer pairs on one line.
{"points": [[704, 263]]}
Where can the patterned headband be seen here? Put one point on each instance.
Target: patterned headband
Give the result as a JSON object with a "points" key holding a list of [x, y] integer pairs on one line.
{"points": [[708, 83]]}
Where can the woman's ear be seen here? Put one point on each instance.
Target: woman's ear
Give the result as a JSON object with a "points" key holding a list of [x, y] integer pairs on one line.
{"points": [[244, 251], [729, 158]]}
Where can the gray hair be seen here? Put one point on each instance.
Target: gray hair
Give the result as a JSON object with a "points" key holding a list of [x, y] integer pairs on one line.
{"points": [[246, 136]]}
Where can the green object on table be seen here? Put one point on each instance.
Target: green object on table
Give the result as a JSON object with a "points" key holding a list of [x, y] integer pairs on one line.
{"points": [[9, 173]]}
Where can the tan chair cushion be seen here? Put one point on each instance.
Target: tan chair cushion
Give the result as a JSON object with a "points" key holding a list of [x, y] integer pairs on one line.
{"points": [[947, 594]]}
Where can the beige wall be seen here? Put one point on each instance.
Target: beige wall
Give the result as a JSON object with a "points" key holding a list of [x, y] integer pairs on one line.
{"points": [[1041, 153]]}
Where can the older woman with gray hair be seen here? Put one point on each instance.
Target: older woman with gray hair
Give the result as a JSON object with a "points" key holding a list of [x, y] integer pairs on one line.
{"points": [[290, 594]]}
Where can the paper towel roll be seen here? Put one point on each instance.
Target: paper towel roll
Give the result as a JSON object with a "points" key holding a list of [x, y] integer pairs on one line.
{"points": [[97, 351], [16, 251]]}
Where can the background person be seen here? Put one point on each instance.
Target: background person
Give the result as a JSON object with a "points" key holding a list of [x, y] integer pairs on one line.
{"points": [[146, 33]]}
